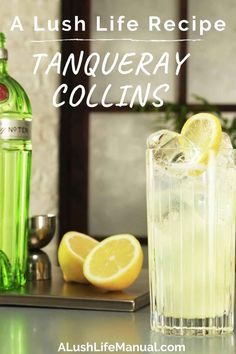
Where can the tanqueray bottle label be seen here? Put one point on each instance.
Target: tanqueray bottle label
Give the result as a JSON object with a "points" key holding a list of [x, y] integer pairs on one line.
{"points": [[15, 129]]}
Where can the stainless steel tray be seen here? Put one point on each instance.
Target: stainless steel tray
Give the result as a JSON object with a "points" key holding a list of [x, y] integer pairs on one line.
{"points": [[59, 294]]}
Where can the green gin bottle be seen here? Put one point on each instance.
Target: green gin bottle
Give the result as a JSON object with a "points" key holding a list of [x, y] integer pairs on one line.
{"points": [[15, 166]]}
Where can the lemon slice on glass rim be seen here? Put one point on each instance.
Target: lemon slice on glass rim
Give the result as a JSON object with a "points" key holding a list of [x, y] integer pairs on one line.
{"points": [[204, 130]]}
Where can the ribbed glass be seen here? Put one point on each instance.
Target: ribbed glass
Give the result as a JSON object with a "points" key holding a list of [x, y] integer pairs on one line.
{"points": [[191, 243]]}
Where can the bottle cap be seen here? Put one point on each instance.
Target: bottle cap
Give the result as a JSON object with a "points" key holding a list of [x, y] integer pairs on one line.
{"points": [[3, 50]]}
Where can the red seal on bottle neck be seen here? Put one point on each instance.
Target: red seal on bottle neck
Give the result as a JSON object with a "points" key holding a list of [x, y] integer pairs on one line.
{"points": [[3, 92]]}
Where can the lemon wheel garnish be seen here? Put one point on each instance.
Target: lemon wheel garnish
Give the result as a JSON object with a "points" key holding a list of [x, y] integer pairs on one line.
{"points": [[204, 130], [73, 250], [115, 263]]}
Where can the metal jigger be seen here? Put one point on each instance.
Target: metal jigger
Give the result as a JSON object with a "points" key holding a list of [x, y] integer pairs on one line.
{"points": [[41, 231]]}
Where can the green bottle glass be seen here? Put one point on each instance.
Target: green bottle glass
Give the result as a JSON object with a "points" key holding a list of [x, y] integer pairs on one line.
{"points": [[15, 167]]}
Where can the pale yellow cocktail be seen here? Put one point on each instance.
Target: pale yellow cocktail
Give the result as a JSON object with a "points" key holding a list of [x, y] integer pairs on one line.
{"points": [[191, 235]]}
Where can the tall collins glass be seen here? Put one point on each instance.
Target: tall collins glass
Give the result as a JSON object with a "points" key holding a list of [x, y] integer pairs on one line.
{"points": [[191, 240], [15, 166]]}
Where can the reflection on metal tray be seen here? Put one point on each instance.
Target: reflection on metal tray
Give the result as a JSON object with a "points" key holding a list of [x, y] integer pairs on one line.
{"points": [[59, 294]]}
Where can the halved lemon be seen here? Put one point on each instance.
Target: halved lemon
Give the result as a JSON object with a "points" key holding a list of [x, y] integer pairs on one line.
{"points": [[115, 263], [73, 250], [204, 130]]}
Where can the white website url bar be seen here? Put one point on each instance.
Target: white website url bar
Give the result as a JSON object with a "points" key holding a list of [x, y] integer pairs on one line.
{"points": [[107, 347]]}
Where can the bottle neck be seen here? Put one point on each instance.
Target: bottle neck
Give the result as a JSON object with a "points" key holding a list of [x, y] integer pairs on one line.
{"points": [[3, 66]]}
